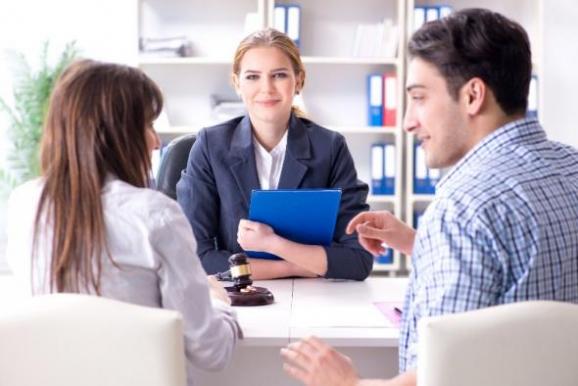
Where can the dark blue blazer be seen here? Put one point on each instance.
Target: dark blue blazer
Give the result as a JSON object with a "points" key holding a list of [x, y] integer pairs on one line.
{"points": [[215, 189]]}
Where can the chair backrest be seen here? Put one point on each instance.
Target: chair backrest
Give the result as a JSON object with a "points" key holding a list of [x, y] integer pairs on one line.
{"points": [[71, 340], [173, 162], [521, 344]]}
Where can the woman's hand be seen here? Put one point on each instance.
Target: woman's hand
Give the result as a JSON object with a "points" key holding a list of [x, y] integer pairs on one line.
{"points": [[255, 236], [217, 291]]}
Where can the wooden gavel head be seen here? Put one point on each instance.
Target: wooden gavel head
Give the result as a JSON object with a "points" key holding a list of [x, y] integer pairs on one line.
{"points": [[240, 271]]}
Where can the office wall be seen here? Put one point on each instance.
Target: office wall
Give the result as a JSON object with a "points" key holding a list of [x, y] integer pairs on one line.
{"points": [[103, 29], [560, 70]]}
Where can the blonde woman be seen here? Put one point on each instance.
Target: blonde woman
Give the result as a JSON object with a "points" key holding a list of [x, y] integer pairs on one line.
{"points": [[272, 147]]}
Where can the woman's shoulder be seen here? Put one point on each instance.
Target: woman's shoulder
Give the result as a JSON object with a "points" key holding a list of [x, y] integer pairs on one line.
{"points": [[319, 133], [26, 193], [222, 128], [146, 203]]}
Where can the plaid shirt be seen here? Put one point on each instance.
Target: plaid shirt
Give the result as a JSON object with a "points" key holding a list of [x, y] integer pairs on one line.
{"points": [[502, 228]]}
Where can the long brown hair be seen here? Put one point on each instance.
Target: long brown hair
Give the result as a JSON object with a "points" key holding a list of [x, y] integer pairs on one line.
{"points": [[270, 37], [95, 127]]}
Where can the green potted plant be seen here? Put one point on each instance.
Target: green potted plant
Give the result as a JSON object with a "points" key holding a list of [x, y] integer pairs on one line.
{"points": [[31, 93]]}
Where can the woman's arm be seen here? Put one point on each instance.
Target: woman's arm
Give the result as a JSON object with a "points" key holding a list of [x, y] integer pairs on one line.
{"points": [[209, 324], [298, 259]]}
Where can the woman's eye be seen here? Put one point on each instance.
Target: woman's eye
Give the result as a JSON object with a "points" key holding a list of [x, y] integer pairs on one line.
{"points": [[280, 75], [252, 77]]}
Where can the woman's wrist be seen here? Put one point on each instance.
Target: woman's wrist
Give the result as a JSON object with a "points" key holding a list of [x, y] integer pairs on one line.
{"points": [[277, 245]]}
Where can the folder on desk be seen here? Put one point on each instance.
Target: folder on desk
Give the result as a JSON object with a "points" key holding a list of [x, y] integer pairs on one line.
{"points": [[306, 216]]}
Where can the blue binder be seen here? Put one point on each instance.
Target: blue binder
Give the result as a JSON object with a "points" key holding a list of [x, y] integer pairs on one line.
{"points": [[417, 215], [306, 216], [377, 172], [389, 168], [294, 23], [424, 178], [375, 100], [280, 18], [383, 169]]}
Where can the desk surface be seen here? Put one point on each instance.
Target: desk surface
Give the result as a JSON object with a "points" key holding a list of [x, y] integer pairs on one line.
{"points": [[341, 312]]}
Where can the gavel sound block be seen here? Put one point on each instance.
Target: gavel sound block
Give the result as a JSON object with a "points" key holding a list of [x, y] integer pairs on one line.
{"points": [[242, 293]]}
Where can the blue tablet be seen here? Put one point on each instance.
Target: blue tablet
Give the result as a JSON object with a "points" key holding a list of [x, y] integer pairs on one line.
{"points": [[306, 216]]}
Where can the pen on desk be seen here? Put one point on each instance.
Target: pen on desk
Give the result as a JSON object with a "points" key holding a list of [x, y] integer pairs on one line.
{"points": [[397, 310]]}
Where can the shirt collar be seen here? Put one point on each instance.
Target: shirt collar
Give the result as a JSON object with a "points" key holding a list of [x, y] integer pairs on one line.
{"points": [[521, 130], [277, 150]]}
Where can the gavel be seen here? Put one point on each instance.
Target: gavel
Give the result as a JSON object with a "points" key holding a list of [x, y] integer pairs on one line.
{"points": [[242, 292], [240, 271]]}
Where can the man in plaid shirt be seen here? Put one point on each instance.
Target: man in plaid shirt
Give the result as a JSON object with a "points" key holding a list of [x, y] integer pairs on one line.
{"points": [[503, 226]]}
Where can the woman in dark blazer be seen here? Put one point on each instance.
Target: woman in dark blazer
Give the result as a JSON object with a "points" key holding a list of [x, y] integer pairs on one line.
{"points": [[271, 147]]}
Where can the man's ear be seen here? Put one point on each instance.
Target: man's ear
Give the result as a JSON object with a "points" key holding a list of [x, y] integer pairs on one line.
{"points": [[474, 94]]}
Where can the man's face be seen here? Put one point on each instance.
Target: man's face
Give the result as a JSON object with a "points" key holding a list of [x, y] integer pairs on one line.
{"points": [[434, 117]]}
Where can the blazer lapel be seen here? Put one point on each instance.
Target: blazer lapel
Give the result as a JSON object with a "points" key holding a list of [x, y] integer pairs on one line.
{"points": [[298, 148], [243, 164]]}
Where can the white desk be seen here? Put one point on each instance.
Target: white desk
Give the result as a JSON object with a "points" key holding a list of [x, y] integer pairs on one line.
{"points": [[341, 313]]}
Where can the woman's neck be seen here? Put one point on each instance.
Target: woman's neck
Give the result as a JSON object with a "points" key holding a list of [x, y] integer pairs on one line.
{"points": [[269, 134]]}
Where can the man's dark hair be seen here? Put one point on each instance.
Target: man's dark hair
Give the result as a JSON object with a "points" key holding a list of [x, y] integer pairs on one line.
{"points": [[479, 43]]}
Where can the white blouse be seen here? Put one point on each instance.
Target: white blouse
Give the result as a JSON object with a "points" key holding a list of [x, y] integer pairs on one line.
{"points": [[152, 243], [270, 164]]}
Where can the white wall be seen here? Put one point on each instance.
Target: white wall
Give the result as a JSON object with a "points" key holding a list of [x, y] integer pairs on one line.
{"points": [[104, 30], [560, 70]]}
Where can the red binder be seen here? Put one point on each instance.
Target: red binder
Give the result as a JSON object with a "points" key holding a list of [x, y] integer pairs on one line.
{"points": [[389, 99]]}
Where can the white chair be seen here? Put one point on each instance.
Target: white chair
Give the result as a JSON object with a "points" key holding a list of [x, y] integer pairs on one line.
{"points": [[81, 340], [521, 344]]}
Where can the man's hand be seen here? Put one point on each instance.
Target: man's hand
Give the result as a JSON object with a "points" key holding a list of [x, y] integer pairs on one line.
{"points": [[378, 227], [315, 363]]}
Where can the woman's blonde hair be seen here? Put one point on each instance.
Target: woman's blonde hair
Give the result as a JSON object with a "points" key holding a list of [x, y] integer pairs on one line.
{"points": [[270, 37]]}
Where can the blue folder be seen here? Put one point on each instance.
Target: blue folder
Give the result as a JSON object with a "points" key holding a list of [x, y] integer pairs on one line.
{"points": [[306, 216]]}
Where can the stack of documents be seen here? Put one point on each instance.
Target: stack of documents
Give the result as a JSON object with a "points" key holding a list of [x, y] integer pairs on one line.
{"points": [[376, 40]]}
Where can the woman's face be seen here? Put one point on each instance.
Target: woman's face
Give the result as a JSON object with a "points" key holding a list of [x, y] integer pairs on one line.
{"points": [[267, 83]]}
